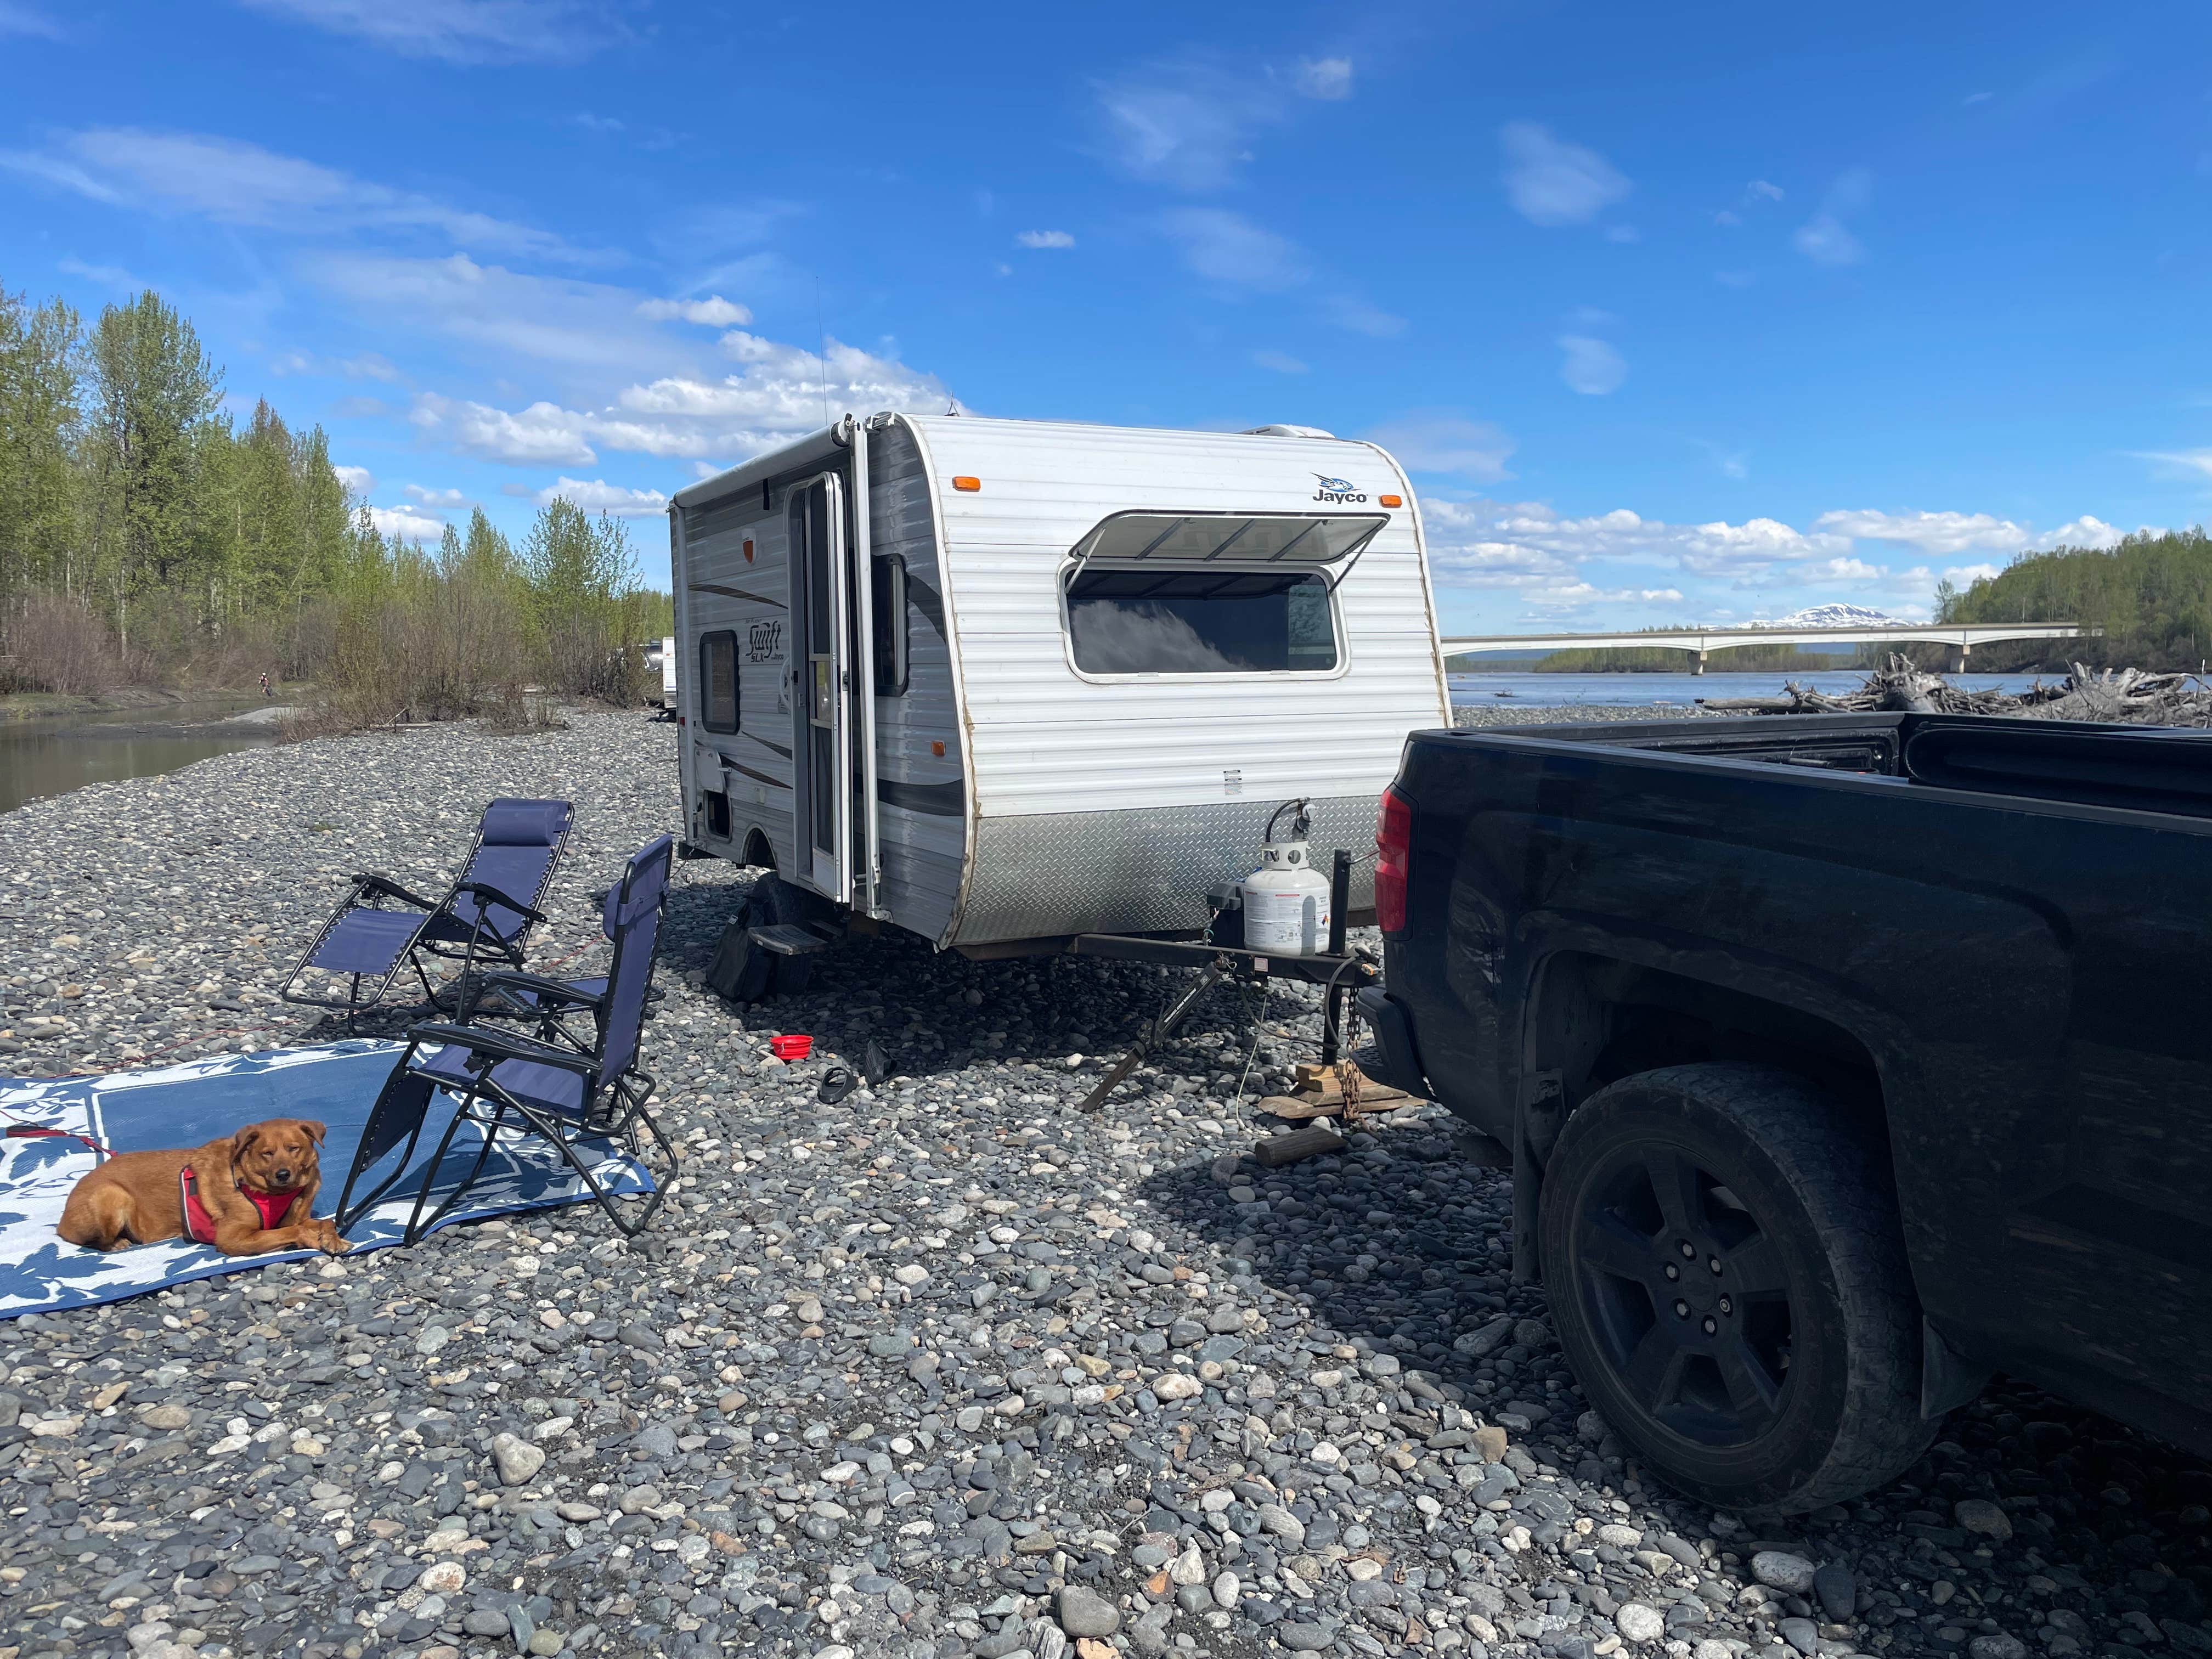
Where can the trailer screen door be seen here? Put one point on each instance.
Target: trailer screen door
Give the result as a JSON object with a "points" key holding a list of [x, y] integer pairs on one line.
{"points": [[821, 709]]}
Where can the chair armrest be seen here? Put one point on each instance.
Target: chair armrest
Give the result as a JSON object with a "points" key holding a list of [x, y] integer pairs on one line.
{"points": [[557, 989], [491, 895], [502, 1045], [368, 882]]}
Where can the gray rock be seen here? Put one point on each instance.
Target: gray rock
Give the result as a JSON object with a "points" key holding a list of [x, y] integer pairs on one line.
{"points": [[1779, 1569], [1637, 1623], [518, 1460], [1801, 1634], [1083, 1612], [1300, 1637], [1838, 1594], [1980, 1515]]}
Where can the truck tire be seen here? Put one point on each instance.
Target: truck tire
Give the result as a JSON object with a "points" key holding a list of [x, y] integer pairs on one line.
{"points": [[1729, 1279]]}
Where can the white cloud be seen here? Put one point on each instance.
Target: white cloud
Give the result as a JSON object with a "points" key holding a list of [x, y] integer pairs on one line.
{"points": [[1045, 239], [1841, 570], [2182, 460], [783, 392], [1438, 440], [1952, 533], [1759, 190], [405, 524], [1227, 248], [1824, 239], [1590, 366], [1474, 542], [427, 497], [1281, 362], [1553, 183], [1327, 78], [598, 495], [1348, 311], [27, 22], [545, 433], [236, 183], [1932, 532], [1965, 575], [369, 365], [358, 479], [520, 323], [464, 31], [714, 311], [1184, 126]]}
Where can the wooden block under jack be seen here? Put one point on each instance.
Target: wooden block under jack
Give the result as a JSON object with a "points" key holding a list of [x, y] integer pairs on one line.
{"points": [[1312, 1141], [1297, 1108]]}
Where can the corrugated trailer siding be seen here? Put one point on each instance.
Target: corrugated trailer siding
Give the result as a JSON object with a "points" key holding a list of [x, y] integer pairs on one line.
{"points": [[921, 850], [1046, 741]]}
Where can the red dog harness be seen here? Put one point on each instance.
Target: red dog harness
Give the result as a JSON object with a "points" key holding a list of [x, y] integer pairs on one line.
{"points": [[201, 1226]]}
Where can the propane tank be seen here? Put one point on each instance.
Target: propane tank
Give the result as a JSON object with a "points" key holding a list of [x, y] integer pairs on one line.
{"points": [[1287, 899]]}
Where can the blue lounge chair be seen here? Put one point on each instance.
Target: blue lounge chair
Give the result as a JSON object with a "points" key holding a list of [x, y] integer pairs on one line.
{"points": [[569, 1093], [381, 927]]}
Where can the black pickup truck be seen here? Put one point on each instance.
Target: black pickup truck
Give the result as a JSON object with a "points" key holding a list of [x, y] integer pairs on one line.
{"points": [[1843, 1060]]}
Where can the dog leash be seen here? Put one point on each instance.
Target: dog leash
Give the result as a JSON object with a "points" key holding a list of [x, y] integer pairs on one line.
{"points": [[21, 1131]]}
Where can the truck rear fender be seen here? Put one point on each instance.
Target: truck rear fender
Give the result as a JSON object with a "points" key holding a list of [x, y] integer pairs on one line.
{"points": [[1598, 1010]]}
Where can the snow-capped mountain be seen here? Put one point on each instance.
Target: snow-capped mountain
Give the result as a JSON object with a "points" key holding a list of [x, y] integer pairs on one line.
{"points": [[1832, 615]]}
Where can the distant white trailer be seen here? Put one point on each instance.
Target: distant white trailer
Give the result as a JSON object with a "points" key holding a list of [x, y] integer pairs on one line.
{"points": [[668, 672], [1002, 683]]}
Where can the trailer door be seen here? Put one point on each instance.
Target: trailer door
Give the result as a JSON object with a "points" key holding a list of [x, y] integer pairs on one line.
{"points": [[821, 693]]}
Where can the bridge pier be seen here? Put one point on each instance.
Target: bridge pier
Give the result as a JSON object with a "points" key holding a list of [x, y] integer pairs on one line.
{"points": [[1701, 668], [1955, 658]]}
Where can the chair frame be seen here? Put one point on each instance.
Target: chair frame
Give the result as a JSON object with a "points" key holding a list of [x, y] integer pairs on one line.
{"points": [[612, 1109], [370, 888]]}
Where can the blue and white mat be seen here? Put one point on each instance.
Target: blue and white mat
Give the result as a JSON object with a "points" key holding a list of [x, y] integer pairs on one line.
{"points": [[203, 1100]]}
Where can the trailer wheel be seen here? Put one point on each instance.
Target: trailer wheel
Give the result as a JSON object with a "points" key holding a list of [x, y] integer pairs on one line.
{"points": [[1729, 1280]]}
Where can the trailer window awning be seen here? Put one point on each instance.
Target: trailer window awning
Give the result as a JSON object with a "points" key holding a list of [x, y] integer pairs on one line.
{"points": [[1184, 538]]}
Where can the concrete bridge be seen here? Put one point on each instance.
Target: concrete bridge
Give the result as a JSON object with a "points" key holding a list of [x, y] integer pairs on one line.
{"points": [[1962, 637]]}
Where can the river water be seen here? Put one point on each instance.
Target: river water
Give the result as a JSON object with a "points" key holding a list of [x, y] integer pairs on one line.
{"points": [[1552, 691], [44, 757]]}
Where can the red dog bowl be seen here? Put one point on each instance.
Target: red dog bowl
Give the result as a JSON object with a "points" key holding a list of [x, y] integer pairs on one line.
{"points": [[793, 1045]]}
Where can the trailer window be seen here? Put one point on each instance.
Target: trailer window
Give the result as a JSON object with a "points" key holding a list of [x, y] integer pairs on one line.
{"points": [[718, 681], [887, 622], [1200, 621]]}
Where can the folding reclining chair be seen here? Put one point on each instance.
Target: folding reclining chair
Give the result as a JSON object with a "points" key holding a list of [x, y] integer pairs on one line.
{"points": [[568, 1094], [381, 927]]}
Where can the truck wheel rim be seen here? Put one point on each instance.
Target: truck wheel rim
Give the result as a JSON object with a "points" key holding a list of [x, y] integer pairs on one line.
{"points": [[1687, 1296]]}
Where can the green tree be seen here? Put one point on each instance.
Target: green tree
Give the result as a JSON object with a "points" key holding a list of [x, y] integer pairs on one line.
{"points": [[41, 356], [153, 392]]}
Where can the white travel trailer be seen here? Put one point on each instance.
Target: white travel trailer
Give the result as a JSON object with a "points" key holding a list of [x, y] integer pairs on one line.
{"points": [[1006, 683]]}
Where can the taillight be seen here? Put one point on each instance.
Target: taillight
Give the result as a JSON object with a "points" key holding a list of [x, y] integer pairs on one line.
{"points": [[1393, 837]]}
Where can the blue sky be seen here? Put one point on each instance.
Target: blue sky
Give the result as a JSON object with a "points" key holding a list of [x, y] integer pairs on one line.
{"points": [[1676, 313]]}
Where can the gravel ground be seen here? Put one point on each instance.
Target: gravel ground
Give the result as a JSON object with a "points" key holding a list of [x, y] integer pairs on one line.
{"points": [[945, 1369]]}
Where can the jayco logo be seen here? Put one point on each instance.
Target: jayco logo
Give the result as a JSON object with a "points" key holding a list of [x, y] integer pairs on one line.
{"points": [[1337, 489]]}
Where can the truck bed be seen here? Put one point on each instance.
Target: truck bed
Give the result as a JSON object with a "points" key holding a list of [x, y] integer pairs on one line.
{"points": [[2156, 768]]}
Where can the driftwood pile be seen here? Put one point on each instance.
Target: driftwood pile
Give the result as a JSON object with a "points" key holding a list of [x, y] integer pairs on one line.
{"points": [[2126, 695]]}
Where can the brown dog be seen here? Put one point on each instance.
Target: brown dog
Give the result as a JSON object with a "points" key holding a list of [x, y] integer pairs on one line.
{"points": [[246, 1195]]}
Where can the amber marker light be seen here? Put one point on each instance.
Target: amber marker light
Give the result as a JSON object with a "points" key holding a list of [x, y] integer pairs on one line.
{"points": [[963, 482], [1391, 501]]}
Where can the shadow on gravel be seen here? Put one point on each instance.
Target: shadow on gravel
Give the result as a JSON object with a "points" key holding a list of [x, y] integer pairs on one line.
{"points": [[2077, 1535]]}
